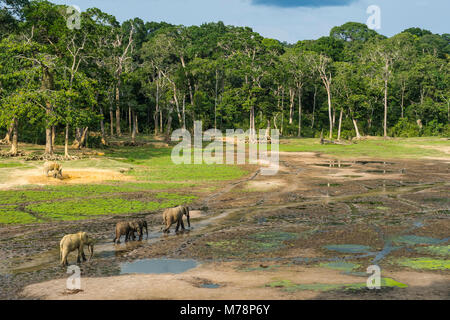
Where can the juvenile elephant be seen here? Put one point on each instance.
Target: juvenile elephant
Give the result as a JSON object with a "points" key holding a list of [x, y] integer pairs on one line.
{"points": [[72, 242], [55, 167], [172, 215], [126, 229], [142, 224]]}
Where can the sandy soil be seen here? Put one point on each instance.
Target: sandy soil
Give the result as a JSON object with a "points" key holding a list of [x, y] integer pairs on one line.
{"points": [[71, 176]]}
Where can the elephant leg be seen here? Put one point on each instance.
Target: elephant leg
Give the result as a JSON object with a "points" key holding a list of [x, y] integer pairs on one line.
{"points": [[182, 225], [64, 261], [79, 256], [178, 226], [83, 255]]}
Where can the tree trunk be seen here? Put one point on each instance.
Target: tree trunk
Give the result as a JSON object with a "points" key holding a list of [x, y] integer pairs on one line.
{"points": [[7, 138], [267, 136], [291, 110], [118, 131], [340, 124], [66, 142], [79, 143], [300, 89], [169, 125], [184, 112], [53, 137], [47, 84], [385, 107], [102, 127], [14, 143], [355, 124], [161, 124], [314, 108], [130, 119], [215, 99], [48, 141], [156, 115], [133, 132], [329, 112], [282, 111], [111, 118]]}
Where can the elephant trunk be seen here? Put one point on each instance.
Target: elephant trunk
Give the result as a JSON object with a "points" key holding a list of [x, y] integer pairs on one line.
{"points": [[188, 220], [91, 250]]}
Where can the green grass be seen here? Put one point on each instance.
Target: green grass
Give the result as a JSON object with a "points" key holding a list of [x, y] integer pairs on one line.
{"points": [[11, 215], [425, 263], [435, 250], [155, 164], [11, 165], [378, 148], [289, 286], [83, 209]]}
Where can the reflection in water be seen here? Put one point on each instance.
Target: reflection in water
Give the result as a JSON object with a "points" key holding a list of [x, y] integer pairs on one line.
{"points": [[158, 266]]}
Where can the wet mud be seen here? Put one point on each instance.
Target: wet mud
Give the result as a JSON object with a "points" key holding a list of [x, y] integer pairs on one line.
{"points": [[310, 232]]}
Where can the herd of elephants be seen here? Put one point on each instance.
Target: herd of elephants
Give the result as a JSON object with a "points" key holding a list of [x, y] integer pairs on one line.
{"points": [[78, 241]]}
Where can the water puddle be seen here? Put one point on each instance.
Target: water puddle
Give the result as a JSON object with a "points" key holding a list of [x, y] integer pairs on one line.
{"points": [[158, 266], [210, 286], [348, 248], [417, 240]]}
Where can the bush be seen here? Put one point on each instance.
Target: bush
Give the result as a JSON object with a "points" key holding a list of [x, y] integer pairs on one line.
{"points": [[433, 128], [405, 129]]}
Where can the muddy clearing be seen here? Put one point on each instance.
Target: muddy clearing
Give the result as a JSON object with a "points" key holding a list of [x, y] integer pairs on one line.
{"points": [[310, 232]]}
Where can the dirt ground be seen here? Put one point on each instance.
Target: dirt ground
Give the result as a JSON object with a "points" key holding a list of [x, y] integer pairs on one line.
{"points": [[309, 232]]}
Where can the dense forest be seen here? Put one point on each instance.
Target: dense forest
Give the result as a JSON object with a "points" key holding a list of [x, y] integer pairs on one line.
{"points": [[109, 79]]}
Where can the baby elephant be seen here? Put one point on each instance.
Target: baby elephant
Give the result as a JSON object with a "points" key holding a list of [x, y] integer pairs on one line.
{"points": [[55, 167], [142, 224], [126, 229], [72, 242], [172, 215]]}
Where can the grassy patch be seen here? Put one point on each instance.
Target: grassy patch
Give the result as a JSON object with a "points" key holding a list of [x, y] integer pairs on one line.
{"points": [[425, 264], [87, 208], [11, 215], [155, 164], [341, 266], [11, 165], [435, 250], [287, 285], [255, 243], [377, 148]]}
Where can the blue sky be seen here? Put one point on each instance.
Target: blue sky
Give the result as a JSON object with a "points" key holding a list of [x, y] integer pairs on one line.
{"points": [[285, 20]]}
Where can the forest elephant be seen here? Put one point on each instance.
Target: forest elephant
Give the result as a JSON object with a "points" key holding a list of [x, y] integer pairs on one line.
{"points": [[172, 215], [72, 242], [126, 229], [54, 167], [142, 224]]}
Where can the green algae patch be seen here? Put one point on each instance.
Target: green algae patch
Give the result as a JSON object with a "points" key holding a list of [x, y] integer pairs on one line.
{"points": [[289, 286], [271, 240], [435, 250], [341, 266], [425, 264], [348, 248], [10, 215], [413, 240], [252, 244]]}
